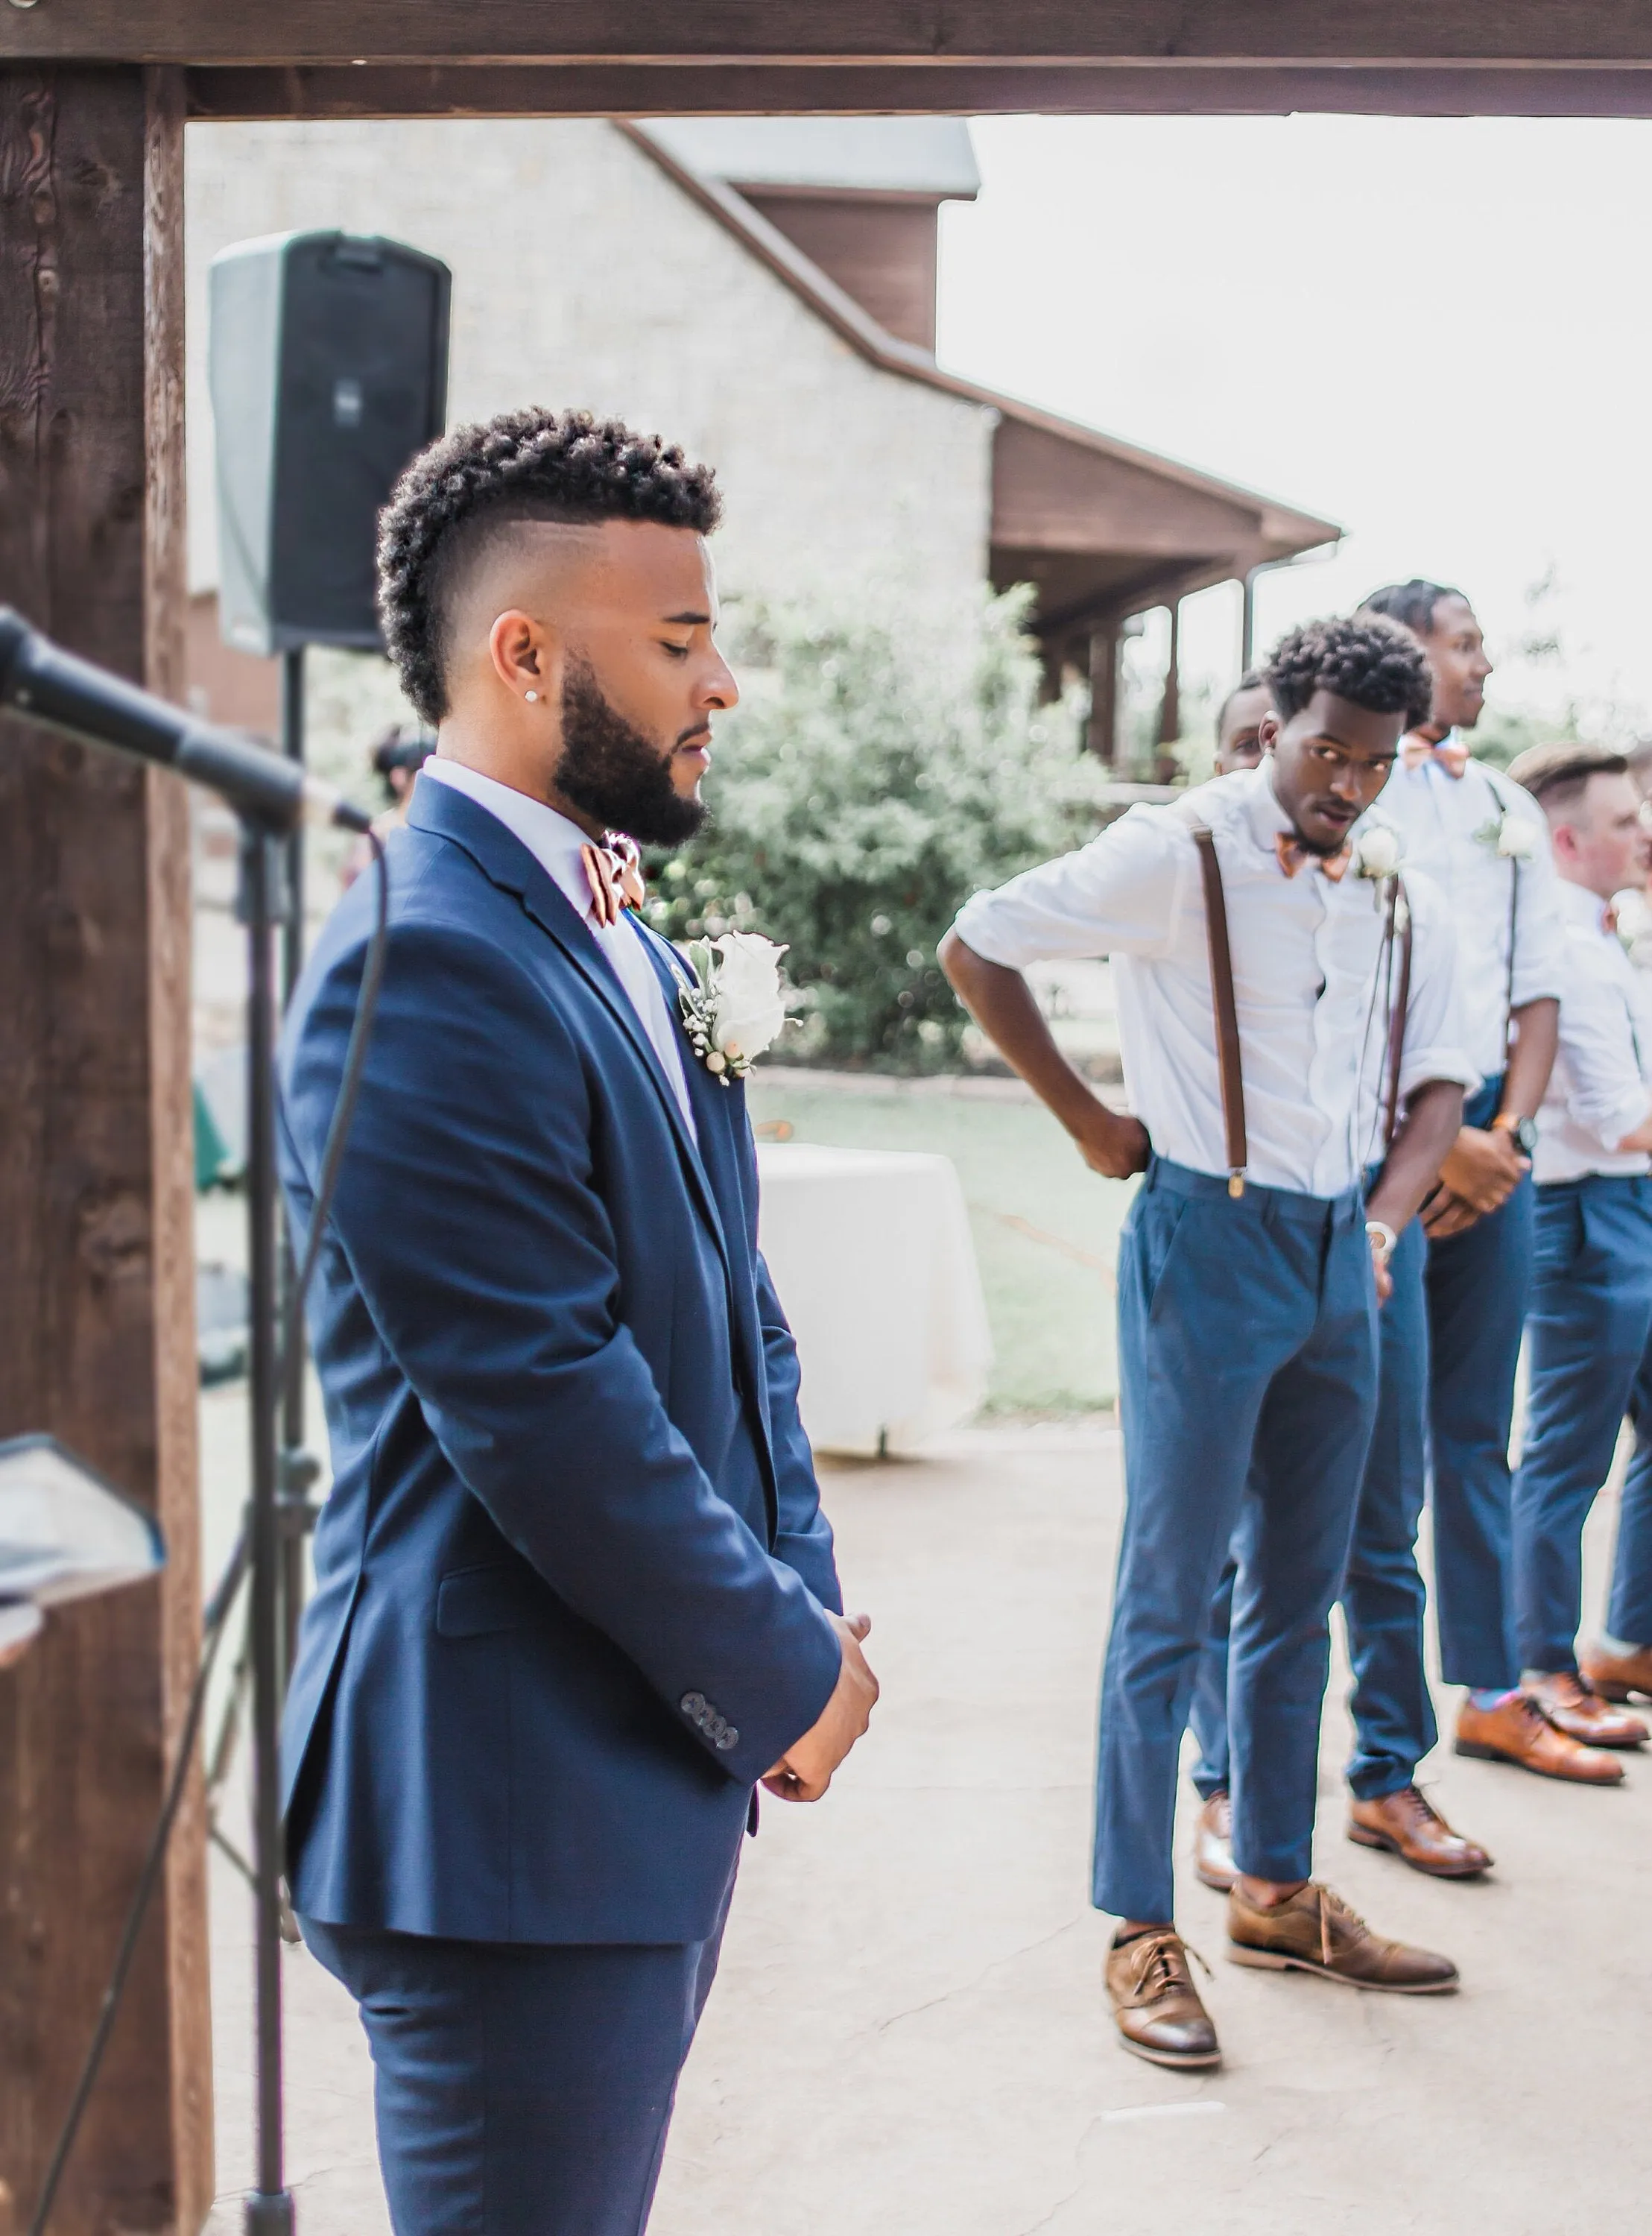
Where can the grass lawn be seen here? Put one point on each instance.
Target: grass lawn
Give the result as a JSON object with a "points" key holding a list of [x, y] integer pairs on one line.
{"points": [[1047, 1229]]}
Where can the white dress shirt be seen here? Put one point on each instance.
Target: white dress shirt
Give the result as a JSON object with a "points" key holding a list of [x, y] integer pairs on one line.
{"points": [[1601, 1087], [555, 842], [1439, 816], [1305, 966]]}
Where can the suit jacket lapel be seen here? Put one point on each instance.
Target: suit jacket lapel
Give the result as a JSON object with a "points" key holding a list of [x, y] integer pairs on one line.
{"points": [[714, 1107], [501, 856]]}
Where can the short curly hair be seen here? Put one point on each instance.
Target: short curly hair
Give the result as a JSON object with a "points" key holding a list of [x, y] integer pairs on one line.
{"points": [[1375, 663], [533, 464]]}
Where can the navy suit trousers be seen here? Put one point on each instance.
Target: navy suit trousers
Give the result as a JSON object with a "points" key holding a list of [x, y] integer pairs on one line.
{"points": [[521, 2088], [1248, 1354], [1384, 1601], [1591, 1319], [1479, 1286]]}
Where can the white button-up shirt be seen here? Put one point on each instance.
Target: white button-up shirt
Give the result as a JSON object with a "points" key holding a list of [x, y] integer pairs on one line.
{"points": [[1448, 824], [1601, 1087], [1309, 985], [555, 842]]}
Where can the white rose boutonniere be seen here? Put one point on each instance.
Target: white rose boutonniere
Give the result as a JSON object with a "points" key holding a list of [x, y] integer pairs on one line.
{"points": [[1512, 838], [737, 1006], [1378, 851]]}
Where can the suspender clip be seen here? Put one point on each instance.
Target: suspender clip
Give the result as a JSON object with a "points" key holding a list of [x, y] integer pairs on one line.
{"points": [[1236, 1185]]}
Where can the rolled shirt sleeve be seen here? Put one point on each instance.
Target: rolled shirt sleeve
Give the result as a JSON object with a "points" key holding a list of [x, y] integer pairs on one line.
{"points": [[1539, 926], [1120, 895], [1435, 1043]]}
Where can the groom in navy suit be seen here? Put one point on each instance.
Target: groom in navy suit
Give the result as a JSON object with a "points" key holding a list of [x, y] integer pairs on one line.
{"points": [[576, 1597]]}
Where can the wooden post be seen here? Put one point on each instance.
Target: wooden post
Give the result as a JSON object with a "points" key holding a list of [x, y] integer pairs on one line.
{"points": [[96, 1271], [1103, 735], [1170, 712]]}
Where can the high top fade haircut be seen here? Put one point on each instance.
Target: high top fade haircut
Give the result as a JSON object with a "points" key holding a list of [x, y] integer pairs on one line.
{"points": [[1373, 663], [529, 465], [1412, 604]]}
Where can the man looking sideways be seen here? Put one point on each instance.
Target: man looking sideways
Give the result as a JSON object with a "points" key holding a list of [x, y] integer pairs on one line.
{"points": [[1485, 844], [574, 1595], [1590, 1325], [1248, 1275]]}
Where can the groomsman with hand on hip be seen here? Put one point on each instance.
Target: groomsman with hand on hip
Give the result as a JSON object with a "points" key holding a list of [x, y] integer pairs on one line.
{"points": [[1590, 1333], [1252, 926]]}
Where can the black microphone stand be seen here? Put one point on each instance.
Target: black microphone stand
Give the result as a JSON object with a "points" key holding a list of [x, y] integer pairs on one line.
{"points": [[261, 907]]}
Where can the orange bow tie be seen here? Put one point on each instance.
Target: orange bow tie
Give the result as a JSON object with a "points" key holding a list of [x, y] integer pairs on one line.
{"points": [[613, 871], [1608, 918], [1450, 755], [1292, 854]]}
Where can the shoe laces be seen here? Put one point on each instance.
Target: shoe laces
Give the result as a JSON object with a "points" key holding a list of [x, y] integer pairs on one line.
{"points": [[1421, 1808], [1333, 1909], [1166, 1966]]}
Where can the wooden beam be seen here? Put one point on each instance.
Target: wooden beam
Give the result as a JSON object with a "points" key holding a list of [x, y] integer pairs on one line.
{"points": [[97, 1276], [937, 33], [537, 88]]}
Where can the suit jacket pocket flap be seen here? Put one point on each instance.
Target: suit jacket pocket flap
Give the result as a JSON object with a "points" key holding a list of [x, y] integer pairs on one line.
{"points": [[471, 1602]]}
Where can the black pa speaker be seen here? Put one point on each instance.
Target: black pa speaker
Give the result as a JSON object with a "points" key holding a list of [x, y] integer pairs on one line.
{"points": [[327, 358]]}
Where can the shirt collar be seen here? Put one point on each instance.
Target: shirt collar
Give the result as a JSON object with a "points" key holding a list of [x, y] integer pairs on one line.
{"points": [[553, 841], [1581, 908]]}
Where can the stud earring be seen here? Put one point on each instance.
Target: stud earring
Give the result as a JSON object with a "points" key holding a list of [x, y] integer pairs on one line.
{"points": [[531, 696]]}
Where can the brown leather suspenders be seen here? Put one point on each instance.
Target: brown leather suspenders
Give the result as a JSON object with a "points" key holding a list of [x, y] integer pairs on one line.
{"points": [[1399, 928], [1233, 1083], [1230, 1069]]}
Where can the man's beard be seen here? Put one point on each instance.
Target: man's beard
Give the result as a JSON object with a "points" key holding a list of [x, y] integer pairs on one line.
{"points": [[618, 776]]}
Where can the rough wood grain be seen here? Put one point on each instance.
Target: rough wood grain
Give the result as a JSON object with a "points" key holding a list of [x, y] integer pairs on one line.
{"points": [[96, 1287], [939, 32], [541, 89]]}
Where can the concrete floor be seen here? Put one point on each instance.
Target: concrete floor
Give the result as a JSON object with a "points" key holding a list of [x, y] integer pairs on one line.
{"points": [[909, 2037]]}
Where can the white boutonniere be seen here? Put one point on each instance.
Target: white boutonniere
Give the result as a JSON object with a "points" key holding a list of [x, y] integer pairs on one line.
{"points": [[736, 1007], [1512, 838], [1378, 851]]}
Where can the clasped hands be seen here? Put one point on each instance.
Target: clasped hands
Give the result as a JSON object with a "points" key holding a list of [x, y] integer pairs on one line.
{"points": [[1482, 1170], [805, 1772]]}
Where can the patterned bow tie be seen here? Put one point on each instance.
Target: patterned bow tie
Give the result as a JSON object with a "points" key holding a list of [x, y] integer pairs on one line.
{"points": [[1293, 854], [613, 871], [1450, 755]]}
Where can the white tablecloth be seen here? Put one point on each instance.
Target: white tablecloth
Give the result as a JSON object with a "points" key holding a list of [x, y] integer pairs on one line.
{"points": [[872, 1256]]}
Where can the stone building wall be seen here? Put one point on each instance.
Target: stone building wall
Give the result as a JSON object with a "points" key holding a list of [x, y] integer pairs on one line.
{"points": [[583, 275]]}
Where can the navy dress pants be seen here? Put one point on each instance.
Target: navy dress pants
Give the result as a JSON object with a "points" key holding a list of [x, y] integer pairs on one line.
{"points": [[520, 2089], [1479, 1286], [1590, 1321], [1247, 1355], [1383, 1597], [1629, 1615]]}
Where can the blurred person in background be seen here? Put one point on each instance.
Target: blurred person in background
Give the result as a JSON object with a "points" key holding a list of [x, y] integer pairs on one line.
{"points": [[1590, 1333], [1239, 723], [395, 759]]}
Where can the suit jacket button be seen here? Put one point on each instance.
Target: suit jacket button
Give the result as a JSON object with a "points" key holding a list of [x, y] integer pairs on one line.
{"points": [[727, 1738], [692, 1705]]}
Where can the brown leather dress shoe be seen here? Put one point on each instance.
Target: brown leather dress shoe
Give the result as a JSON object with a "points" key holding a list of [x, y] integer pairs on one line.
{"points": [[1156, 2005], [1314, 1930], [1517, 1731], [1619, 1676], [1573, 1706], [1213, 1844], [1410, 1826]]}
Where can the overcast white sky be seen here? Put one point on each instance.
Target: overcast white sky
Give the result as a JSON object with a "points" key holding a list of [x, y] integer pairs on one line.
{"points": [[1437, 333]]}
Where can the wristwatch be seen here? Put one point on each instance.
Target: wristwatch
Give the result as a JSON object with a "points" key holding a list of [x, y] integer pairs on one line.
{"points": [[1524, 1130], [1381, 1238]]}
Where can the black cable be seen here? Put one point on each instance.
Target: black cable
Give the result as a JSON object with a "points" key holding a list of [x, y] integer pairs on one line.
{"points": [[218, 1607]]}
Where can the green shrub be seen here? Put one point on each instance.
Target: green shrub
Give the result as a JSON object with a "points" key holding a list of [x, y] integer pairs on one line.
{"points": [[878, 771]]}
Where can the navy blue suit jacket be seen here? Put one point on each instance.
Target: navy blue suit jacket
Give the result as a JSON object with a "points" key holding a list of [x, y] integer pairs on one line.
{"points": [[570, 1576]]}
